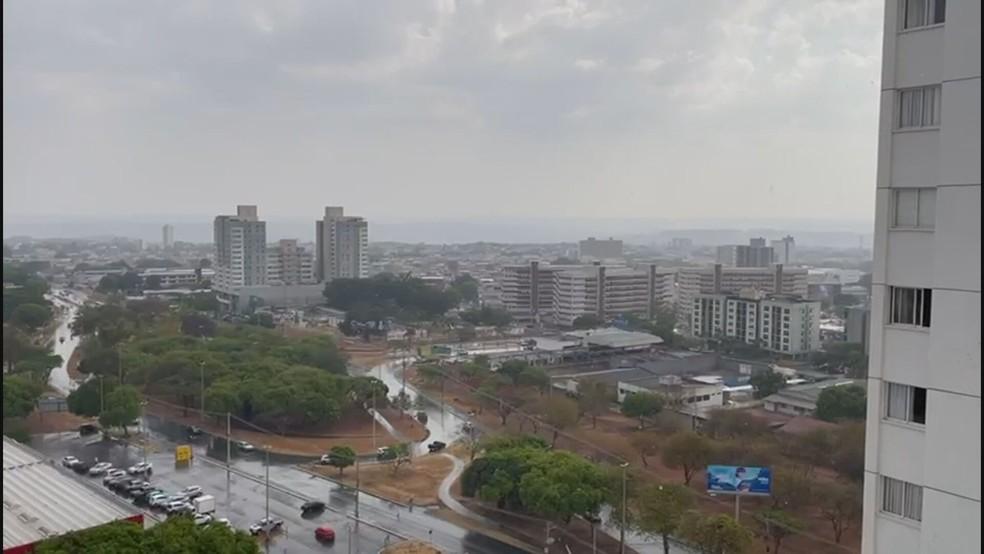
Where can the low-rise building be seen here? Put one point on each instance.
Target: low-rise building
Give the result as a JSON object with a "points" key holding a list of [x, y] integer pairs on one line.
{"points": [[802, 399], [176, 277]]}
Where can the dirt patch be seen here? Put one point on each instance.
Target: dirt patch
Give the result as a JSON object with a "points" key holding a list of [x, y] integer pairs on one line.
{"points": [[411, 547], [418, 480], [54, 422], [73, 365], [353, 432], [405, 424]]}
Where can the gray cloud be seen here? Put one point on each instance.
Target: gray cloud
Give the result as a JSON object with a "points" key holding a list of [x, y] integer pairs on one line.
{"points": [[399, 109]]}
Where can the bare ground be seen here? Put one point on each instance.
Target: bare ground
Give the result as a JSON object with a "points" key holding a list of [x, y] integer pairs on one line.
{"points": [[418, 480]]}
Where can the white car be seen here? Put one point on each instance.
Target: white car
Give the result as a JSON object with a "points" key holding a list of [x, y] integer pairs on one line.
{"points": [[179, 507], [191, 491], [245, 446], [70, 461], [266, 526], [203, 519], [222, 521], [100, 468], [325, 460], [113, 474], [158, 499], [142, 467]]}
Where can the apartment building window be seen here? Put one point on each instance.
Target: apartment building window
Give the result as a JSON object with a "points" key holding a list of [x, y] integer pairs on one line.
{"points": [[919, 107], [906, 403], [909, 306], [914, 208], [922, 13], [901, 498]]}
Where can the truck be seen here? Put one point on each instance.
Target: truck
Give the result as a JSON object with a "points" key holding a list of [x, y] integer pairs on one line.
{"points": [[204, 504]]}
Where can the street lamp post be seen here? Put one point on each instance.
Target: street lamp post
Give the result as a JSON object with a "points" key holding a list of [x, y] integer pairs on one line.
{"points": [[621, 531], [357, 483], [201, 366]]}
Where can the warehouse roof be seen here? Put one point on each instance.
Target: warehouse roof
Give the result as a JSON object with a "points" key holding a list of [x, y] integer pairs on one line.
{"points": [[612, 337], [40, 501]]}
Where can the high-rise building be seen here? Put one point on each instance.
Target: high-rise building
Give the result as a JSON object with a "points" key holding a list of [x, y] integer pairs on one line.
{"points": [[342, 246], [718, 279], [784, 250], [289, 264], [167, 236], [594, 249], [753, 254], [559, 294], [240, 250], [922, 486], [788, 325]]}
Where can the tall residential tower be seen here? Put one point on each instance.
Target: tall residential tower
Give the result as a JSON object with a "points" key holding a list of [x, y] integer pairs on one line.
{"points": [[240, 250], [342, 246], [922, 486]]}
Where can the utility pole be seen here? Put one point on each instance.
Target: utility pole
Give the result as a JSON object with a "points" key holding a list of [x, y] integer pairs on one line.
{"points": [[357, 486], [102, 403], [621, 531], [201, 366], [228, 450]]}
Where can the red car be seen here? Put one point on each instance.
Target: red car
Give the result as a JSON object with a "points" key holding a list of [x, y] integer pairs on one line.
{"points": [[324, 534]]}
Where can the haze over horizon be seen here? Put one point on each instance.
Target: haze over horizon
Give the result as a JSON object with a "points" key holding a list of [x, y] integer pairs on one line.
{"points": [[443, 110]]}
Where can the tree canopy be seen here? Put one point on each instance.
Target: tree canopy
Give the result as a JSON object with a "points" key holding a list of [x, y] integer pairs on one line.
{"points": [[385, 296], [661, 509], [765, 383], [341, 457], [842, 402], [122, 407], [173, 535], [19, 395], [588, 321], [687, 451], [642, 405], [488, 316], [718, 534]]}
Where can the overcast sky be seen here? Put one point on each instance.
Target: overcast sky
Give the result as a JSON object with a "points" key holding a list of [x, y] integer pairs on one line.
{"points": [[406, 110]]}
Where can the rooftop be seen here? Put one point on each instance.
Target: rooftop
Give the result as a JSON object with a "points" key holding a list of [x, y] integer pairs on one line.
{"points": [[40, 501], [806, 395], [611, 337]]}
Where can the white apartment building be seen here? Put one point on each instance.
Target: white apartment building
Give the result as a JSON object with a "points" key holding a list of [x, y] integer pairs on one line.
{"points": [[289, 264], [177, 277], [559, 294], [718, 279], [240, 250], [922, 491], [787, 325], [784, 250], [167, 236], [342, 246]]}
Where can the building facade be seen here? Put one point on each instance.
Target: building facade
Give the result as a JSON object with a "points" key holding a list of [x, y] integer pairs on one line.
{"points": [[594, 249], [289, 264], [341, 246], [718, 279], [753, 254], [167, 236], [787, 325], [784, 250], [559, 294], [240, 250], [922, 491]]}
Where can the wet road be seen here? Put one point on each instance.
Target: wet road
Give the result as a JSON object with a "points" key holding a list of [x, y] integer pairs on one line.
{"points": [[243, 501], [58, 378]]}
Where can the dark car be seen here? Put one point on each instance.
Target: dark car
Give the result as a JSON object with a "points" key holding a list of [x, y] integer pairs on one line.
{"points": [[194, 432], [142, 497], [312, 507], [436, 446], [123, 484], [81, 468], [87, 429]]}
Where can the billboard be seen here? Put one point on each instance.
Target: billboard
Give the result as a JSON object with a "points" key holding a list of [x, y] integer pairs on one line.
{"points": [[742, 480]]}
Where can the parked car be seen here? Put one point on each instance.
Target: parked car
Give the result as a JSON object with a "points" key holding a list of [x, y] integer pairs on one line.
{"points": [[134, 489], [142, 467], [222, 521], [87, 429], [158, 500], [436, 446], [324, 534], [144, 496], [325, 460], [100, 468], [194, 432], [312, 506], [111, 474], [385, 453], [245, 446], [81, 468], [179, 507], [266, 526], [203, 519], [192, 491], [121, 484], [70, 461]]}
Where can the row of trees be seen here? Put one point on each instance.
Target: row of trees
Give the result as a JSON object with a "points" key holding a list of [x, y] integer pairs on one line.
{"points": [[175, 534], [385, 296], [257, 375]]}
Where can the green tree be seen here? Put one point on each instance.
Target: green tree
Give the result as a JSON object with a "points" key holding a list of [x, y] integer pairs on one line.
{"points": [[765, 383], [466, 287], [535, 377], [792, 487], [842, 402], [840, 504], [687, 451], [197, 325], [31, 316], [641, 405], [661, 509], [20, 394], [588, 321], [512, 369], [85, 400], [733, 424], [719, 534], [593, 399], [646, 443], [777, 525], [561, 484], [561, 413], [341, 457], [402, 455], [122, 408], [172, 536]]}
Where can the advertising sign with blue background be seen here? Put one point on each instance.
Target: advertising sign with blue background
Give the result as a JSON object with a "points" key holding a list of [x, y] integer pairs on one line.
{"points": [[739, 480]]}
